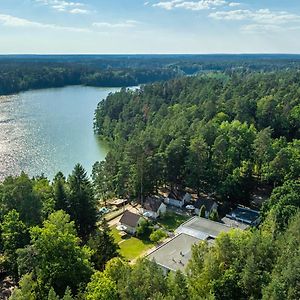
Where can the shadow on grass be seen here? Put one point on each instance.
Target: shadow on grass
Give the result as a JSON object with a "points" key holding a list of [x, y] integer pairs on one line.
{"points": [[172, 221]]}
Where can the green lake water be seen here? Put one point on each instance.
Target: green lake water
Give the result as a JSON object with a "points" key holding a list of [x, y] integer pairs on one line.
{"points": [[50, 130]]}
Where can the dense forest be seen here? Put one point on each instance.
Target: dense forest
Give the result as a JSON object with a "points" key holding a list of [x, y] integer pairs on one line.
{"points": [[50, 239], [221, 133], [21, 76], [24, 72], [225, 133]]}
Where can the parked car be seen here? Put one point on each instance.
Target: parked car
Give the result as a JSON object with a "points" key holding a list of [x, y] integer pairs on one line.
{"points": [[103, 210]]}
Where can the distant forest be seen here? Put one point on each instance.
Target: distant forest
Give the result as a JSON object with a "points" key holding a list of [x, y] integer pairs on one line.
{"points": [[25, 72]]}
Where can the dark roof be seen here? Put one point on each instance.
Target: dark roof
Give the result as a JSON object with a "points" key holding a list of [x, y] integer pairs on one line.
{"points": [[177, 194], [208, 203], [152, 203], [130, 219], [244, 214]]}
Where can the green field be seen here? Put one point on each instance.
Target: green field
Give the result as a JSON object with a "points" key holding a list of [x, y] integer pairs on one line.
{"points": [[116, 234], [171, 221], [134, 247], [130, 247]]}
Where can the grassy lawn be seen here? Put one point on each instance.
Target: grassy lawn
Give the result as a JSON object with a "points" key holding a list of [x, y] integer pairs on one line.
{"points": [[130, 247], [133, 247], [171, 221], [116, 234]]}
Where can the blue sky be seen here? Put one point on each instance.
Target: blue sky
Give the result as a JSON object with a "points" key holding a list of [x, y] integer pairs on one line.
{"points": [[154, 26]]}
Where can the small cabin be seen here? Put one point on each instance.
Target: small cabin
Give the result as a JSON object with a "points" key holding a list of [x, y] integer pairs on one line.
{"points": [[130, 221]]}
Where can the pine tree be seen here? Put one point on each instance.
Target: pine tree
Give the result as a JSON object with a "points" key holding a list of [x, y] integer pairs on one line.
{"points": [[68, 294], [82, 206], [103, 244], [60, 194], [52, 295]]}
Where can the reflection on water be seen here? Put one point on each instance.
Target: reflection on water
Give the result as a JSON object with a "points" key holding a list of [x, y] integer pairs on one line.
{"points": [[49, 130]]}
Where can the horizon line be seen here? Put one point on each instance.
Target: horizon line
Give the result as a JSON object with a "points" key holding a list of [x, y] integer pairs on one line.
{"points": [[158, 53]]}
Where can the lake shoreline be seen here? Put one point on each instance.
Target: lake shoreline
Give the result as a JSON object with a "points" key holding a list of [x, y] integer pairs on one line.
{"points": [[50, 130], [70, 85]]}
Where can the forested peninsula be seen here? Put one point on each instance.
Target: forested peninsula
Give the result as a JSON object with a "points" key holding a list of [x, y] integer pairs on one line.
{"points": [[226, 134], [18, 77]]}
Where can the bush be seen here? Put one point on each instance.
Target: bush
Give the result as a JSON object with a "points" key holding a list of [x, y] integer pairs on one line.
{"points": [[144, 229], [202, 212], [157, 235], [214, 216]]}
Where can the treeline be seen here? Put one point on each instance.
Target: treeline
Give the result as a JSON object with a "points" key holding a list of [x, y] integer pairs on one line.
{"points": [[24, 72], [212, 133], [21, 76], [52, 254]]}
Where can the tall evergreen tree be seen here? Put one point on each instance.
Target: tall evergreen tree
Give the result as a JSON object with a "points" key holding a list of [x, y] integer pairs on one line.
{"points": [[60, 193], [103, 244], [82, 203]]}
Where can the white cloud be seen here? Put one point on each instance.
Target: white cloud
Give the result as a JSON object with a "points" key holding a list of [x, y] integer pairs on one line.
{"points": [[233, 4], [11, 21], [231, 15], [126, 24], [263, 16], [262, 20], [79, 11], [167, 4], [65, 6], [190, 5], [262, 28]]}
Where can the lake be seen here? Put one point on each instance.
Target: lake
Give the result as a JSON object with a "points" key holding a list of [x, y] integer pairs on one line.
{"points": [[50, 130]]}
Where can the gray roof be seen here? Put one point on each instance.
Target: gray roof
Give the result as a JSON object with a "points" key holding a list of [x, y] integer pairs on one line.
{"points": [[234, 224], [130, 219], [153, 203], [208, 203], [175, 254], [202, 228], [177, 194]]}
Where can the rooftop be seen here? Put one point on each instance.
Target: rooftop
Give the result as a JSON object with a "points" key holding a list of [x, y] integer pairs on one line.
{"points": [[208, 203], [119, 202], [234, 224], [130, 219], [202, 228], [175, 254], [153, 203], [244, 214], [176, 194]]}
